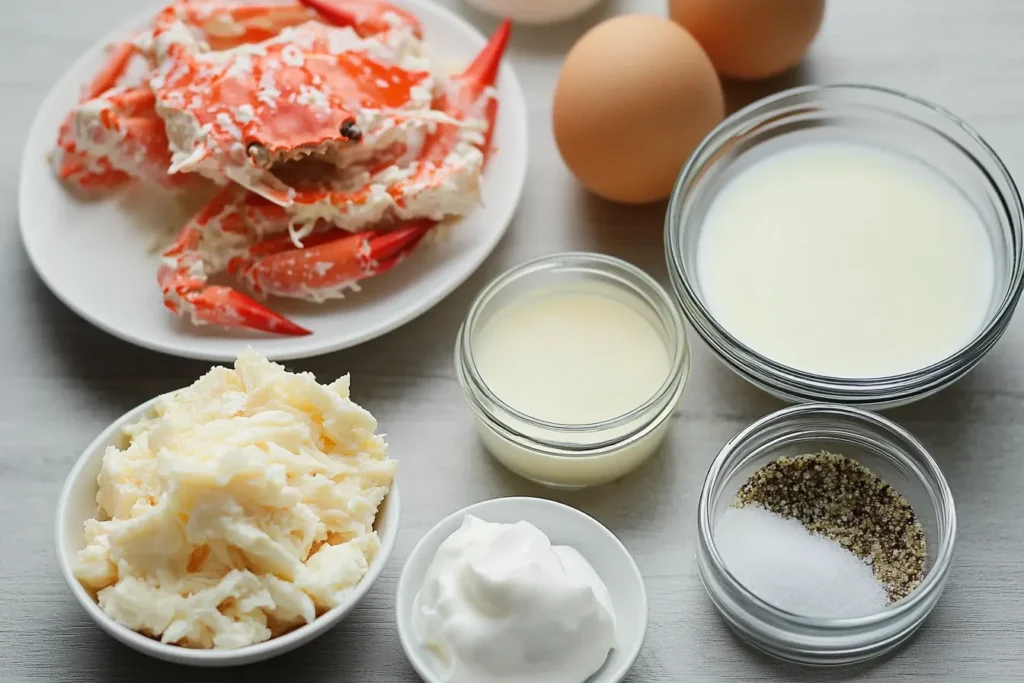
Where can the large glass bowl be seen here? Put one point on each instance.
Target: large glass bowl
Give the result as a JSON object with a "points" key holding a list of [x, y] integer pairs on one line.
{"points": [[860, 114]]}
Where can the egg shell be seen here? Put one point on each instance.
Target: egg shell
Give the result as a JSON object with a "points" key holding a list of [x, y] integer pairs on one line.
{"points": [[635, 95], [751, 39], [534, 11]]}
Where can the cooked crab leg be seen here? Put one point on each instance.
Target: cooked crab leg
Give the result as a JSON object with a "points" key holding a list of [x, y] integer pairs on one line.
{"points": [[336, 260], [111, 72], [224, 24], [331, 261], [186, 267], [221, 25], [72, 159], [220, 305], [468, 97], [229, 23]]}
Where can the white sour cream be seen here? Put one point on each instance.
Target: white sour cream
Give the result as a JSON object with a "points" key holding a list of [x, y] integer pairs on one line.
{"points": [[500, 603]]}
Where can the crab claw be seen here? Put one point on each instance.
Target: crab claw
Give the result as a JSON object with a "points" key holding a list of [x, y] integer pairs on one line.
{"points": [[366, 17], [329, 262], [188, 263], [219, 305]]}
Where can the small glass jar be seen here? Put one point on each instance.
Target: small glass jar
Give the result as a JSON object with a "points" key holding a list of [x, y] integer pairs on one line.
{"points": [[894, 456], [873, 116], [574, 455]]}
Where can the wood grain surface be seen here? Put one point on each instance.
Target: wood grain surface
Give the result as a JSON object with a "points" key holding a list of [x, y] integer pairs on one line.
{"points": [[63, 381]]}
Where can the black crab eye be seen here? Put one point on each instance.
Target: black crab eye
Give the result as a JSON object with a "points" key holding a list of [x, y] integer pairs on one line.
{"points": [[351, 131]]}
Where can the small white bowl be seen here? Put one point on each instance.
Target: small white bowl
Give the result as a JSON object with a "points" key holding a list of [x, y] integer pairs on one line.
{"points": [[564, 526], [78, 503]]}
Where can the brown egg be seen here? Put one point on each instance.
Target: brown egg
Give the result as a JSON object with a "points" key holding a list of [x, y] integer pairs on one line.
{"points": [[635, 96], [751, 39]]}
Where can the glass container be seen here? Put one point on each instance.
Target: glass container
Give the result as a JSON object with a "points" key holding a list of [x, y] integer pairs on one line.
{"points": [[886, 449], [868, 115], [574, 455]]}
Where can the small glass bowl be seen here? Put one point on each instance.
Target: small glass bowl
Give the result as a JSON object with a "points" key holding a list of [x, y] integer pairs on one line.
{"points": [[869, 115], [886, 449], [574, 455]]}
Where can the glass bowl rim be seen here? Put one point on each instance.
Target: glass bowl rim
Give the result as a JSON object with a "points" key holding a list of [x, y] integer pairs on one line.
{"points": [[934, 578]]}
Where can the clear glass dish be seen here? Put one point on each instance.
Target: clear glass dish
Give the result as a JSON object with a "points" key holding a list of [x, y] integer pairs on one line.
{"points": [[868, 115], [886, 449], [574, 455]]}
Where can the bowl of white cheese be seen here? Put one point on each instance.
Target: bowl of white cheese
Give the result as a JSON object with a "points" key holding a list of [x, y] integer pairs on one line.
{"points": [[516, 590], [231, 521]]}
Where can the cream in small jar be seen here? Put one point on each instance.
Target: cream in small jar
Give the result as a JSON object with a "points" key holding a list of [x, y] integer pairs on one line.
{"points": [[500, 603], [573, 364], [572, 355]]}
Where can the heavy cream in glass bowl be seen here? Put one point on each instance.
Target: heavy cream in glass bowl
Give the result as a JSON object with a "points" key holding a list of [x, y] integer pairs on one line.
{"points": [[846, 243]]}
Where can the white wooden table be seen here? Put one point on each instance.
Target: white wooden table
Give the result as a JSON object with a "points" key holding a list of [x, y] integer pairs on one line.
{"points": [[63, 381]]}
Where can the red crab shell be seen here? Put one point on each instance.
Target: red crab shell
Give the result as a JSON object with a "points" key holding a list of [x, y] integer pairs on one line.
{"points": [[309, 90]]}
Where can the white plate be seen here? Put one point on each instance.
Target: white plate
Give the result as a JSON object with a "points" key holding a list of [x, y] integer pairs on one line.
{"points": [[564, 525], [98, 257], [77, 503]]}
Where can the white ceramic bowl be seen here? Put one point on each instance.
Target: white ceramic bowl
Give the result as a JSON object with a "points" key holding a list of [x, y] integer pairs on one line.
{"points": [[564, 526], [78, 503]]}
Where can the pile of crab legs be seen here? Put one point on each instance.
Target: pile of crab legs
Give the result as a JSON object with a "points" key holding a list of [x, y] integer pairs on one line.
{"points": [[238, 94]]}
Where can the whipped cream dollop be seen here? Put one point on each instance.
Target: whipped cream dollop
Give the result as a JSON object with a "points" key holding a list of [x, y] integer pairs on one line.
{"points": [[500, 603]]}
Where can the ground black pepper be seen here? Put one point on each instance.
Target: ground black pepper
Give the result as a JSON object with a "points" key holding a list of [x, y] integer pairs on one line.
{"points": [[842, 500]]}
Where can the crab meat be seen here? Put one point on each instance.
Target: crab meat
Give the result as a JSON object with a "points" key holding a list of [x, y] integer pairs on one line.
{"points": [[244, 233]]}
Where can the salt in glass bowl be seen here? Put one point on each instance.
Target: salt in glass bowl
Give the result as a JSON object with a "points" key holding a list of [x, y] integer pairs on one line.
{"points": [[891, 453]]}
